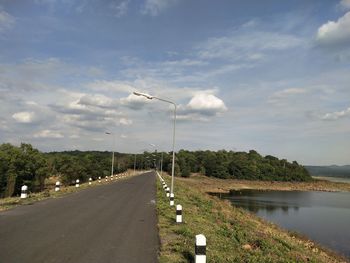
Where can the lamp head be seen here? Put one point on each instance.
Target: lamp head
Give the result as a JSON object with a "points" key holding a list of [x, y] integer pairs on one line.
{"points": [[143, 94]]}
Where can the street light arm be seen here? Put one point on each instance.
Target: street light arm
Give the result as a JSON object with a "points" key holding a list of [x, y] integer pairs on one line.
{"points": [[168, 101]]}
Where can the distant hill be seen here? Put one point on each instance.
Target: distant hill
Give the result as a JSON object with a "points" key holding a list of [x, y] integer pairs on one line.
{"points": [[331, 170]]}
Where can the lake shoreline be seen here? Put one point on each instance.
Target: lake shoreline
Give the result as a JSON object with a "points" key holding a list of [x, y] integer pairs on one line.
{"points": [[233, 234], [216, 185]]}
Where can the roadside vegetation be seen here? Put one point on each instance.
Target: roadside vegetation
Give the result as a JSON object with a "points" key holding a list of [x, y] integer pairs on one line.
{"points": [[26, 165], [233, 234]]}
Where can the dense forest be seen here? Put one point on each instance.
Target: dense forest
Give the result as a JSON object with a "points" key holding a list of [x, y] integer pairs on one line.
{"points": [[26, 165]]}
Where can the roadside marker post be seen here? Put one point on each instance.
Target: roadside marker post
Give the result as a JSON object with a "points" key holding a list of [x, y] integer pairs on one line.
{"points": [[77, 183], [106, 178], [167, 192], [112, 177], [90, 180], [171, 199], [178, 213], [57, 188], [24, 190], [200, 249], [99, 179]]}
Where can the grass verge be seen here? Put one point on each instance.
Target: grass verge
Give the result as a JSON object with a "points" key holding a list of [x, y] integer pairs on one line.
{"points": [[233, 234]]}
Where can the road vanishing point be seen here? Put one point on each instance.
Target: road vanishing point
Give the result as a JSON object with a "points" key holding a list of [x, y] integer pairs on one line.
{"points": [[116, 222]]}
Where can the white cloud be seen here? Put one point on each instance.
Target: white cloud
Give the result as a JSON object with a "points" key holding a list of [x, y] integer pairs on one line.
{"points": [[207, 104], [336, 115], [281, 95], [120, 9], [345, 4], [125, 121], [6, 21], [201, 107], [247, 46], [184, 63], [48, 134], [133, 102], [97, 100], [335, 33], [116, 86], [24, 117], [155, 7]]}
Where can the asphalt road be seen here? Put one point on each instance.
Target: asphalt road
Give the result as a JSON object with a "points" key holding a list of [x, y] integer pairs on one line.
{"points": [[110, 223]]}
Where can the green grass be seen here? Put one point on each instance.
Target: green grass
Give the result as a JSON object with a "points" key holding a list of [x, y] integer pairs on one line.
{"points": [[233, 235]]}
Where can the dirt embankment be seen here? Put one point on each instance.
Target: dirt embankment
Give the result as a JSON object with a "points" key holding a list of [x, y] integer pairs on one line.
{"points": [[210, 184]]}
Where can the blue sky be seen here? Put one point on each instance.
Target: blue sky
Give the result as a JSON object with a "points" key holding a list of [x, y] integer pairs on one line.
{"points": [[266, 75]]}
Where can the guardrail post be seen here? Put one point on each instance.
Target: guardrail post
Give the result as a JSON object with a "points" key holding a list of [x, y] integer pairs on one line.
{"points": [[77, 183], [200, 249], [24, 190], [178, 213], [171, 199], [57, 188]]}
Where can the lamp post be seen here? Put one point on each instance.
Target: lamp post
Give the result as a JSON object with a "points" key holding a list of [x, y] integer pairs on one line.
{"points": [[135, 164], [174, 104], [108, 133], [154, 155]]}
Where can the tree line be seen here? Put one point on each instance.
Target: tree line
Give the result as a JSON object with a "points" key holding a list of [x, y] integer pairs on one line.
{"points": [[26, 165]]}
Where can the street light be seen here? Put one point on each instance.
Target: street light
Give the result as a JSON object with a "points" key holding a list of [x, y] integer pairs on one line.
{"points": [[108, 133], [174, 104], [155, 148]]}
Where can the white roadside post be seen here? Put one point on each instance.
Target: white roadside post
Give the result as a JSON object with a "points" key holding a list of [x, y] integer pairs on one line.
{"points": [[24, 190], [178, 213], [167, 192], [90, 181], [171, 199], [106, 178], [99, 179], [57, 188], [77, 183], [112, 177], [200, 249]]}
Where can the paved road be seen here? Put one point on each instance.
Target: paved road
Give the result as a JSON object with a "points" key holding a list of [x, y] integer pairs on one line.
{"points": [[110, 223]]}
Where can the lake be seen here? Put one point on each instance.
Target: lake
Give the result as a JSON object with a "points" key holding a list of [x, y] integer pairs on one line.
{"points": [[322, 216]]}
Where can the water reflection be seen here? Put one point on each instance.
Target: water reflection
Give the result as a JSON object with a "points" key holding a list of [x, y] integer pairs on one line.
{"points": [[322, 216]]}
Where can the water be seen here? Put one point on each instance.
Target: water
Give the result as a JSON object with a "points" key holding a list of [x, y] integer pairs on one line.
{"points": [[322, 216]]}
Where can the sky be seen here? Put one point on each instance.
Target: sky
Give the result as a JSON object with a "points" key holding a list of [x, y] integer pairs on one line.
{"points": [[273, 76]]}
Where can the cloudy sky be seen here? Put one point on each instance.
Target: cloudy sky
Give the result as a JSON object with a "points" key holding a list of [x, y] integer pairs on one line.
{"points": [[273, 76]]}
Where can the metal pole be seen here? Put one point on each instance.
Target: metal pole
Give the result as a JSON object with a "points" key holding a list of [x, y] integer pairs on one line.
{"points": [[112, 163], [161, 165], [135, 164], [173, 164]]}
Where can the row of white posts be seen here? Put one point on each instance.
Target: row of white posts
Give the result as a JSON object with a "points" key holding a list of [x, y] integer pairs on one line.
{"points": [[24, 188], [200, 242]]}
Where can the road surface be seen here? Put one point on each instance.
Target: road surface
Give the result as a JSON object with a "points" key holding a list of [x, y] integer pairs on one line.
{"points": [[110, 223]]}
